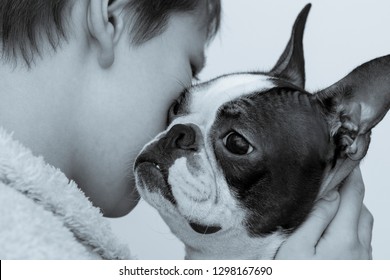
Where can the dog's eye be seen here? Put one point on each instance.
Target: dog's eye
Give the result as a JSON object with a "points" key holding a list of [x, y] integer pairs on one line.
{"points": [[237, 144]]}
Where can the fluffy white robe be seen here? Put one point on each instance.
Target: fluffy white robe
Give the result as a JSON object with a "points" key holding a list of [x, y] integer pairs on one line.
{"points": [[43, 215]]}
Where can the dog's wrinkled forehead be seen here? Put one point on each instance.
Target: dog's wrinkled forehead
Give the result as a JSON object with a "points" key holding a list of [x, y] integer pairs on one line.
{"points": [[205, 99]]}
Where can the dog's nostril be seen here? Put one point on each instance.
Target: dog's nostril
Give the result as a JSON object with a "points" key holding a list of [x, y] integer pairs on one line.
{"points": [[182, 137], [184, 140]]}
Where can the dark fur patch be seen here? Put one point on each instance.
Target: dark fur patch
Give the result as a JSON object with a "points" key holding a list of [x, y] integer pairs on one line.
{"points": [[278, 182]]}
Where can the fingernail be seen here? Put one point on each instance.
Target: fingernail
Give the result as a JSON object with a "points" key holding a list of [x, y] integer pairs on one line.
{"points": [[331, 196]]}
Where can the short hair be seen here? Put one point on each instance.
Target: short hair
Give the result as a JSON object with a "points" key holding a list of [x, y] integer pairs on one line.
{"points": [[24, 24], [151, 16]]}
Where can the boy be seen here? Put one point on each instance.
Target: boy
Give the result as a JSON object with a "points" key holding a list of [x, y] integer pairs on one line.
{"points": [[85, 84]]}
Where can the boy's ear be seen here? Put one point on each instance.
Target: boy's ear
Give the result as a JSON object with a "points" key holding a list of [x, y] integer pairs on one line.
{"points": [[291, 64], [355, 104], [105, 24]]}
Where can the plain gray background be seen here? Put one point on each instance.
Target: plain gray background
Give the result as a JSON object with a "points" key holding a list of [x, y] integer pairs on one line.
{"points": [[339, 36]]}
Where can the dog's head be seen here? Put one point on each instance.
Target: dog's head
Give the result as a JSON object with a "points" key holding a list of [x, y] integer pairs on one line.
{"points": [[247, 154]]}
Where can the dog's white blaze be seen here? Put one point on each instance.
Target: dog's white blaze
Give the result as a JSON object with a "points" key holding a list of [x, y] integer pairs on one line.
{"points": [[205, 101]]}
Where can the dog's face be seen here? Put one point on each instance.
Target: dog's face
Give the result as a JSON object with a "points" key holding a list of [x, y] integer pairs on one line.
{"points": [[222, 161], [246, 155]]}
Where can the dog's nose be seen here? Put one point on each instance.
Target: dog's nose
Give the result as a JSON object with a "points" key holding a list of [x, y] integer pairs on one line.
{"points": [[180, 136]]}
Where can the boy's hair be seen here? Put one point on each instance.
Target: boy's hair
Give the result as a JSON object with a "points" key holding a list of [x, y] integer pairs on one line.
{"points": [[24, 24]]}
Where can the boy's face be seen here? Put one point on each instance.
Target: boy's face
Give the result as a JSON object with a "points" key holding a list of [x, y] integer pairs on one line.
{"points": [[129, 106]]}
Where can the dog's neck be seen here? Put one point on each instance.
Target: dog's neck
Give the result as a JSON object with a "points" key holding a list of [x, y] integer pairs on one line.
{"points": [[233, 243], [237, 246]]}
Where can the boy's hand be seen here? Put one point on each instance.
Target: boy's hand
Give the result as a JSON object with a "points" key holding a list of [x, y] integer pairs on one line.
{"points": [[340, 227]]}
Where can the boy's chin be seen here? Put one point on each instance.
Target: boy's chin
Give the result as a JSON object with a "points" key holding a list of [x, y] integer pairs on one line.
{"points": [[121, 204], [123, 207]]}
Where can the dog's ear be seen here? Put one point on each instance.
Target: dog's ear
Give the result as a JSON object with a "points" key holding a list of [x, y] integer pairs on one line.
{"points": [[355, 104], [291, 64]]}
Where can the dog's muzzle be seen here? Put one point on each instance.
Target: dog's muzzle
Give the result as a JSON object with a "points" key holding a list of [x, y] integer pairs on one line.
{"points": [[177, 142], [152, 165]]}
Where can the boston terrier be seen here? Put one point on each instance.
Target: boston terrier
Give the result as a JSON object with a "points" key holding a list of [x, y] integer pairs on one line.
{"points": [[246, 155]]}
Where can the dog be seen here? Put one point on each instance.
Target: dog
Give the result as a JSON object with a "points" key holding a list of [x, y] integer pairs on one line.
{"points": [[246, 155]]}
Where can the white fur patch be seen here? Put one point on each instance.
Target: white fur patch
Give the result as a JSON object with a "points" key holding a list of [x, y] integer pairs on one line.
{"points": [[203, 197], [205, 100]]}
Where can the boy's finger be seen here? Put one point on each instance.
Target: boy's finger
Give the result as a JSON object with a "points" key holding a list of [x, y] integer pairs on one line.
{"points": [[312, 229], [351, 201]]}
